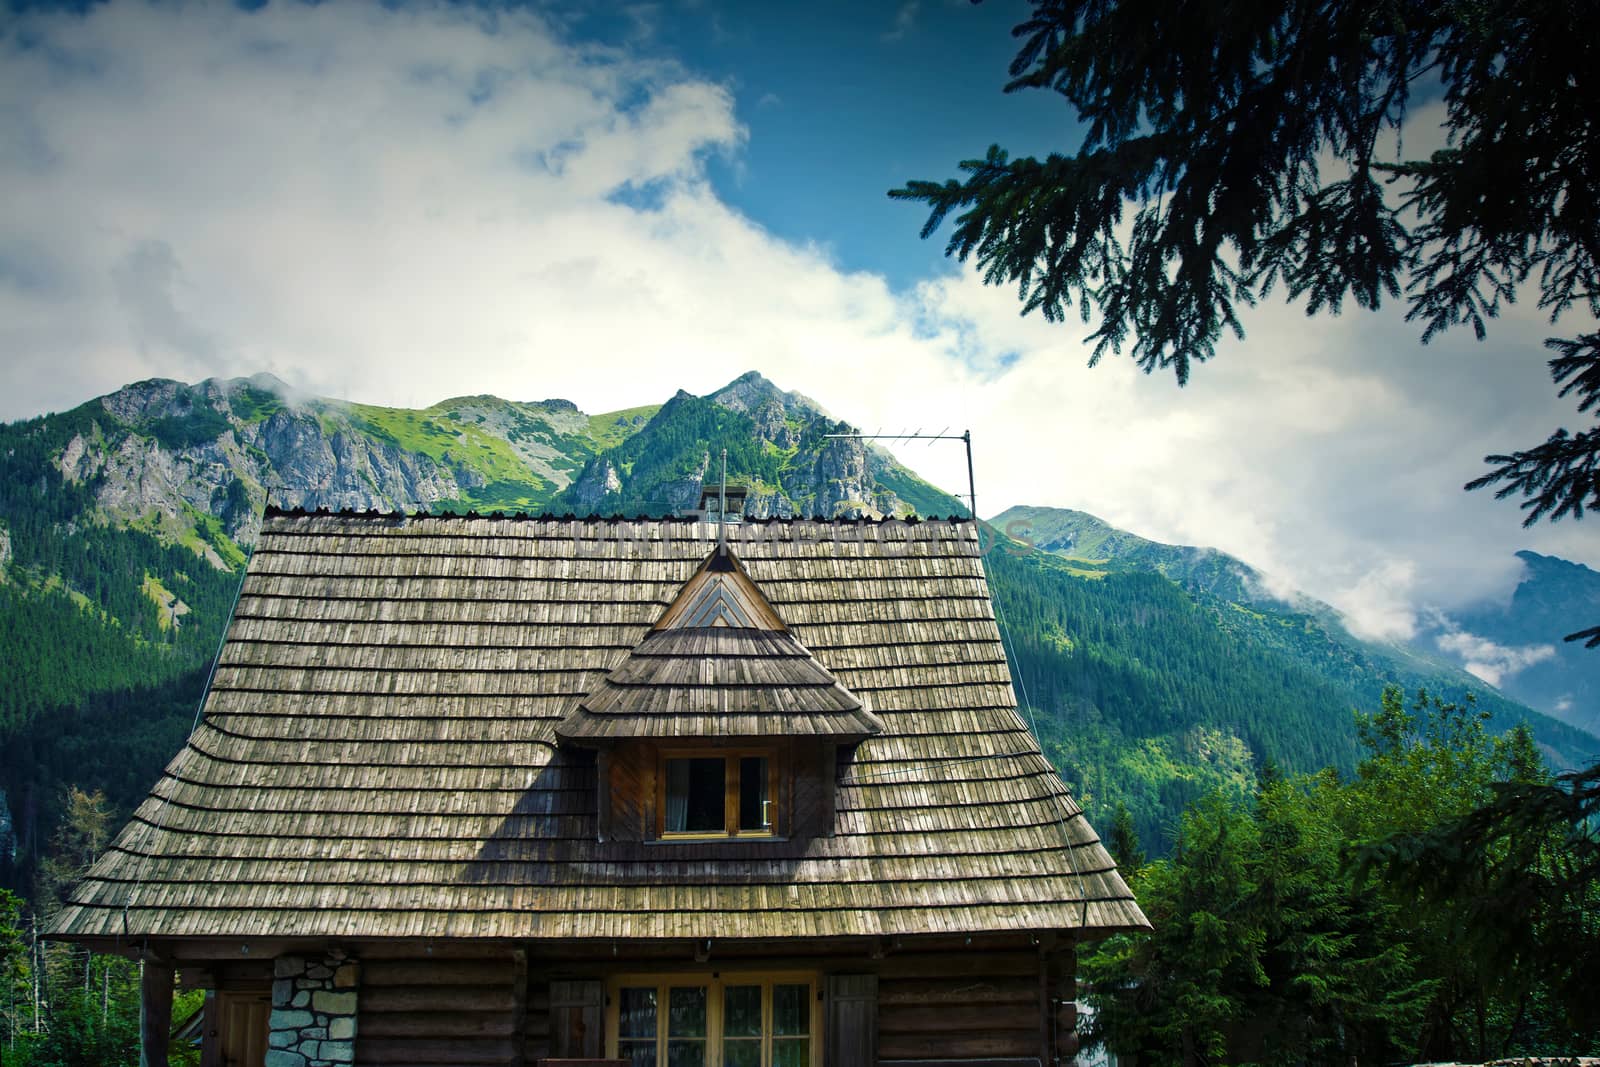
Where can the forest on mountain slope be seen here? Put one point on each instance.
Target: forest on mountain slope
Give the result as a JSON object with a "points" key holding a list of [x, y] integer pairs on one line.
{"points": [[1148, 695]]}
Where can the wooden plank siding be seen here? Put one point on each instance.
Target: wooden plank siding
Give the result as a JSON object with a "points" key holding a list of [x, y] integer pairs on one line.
{"points": [[378, 757]]}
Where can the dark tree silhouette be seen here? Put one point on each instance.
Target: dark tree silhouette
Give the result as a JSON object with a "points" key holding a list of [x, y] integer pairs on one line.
{"points": [[1258, 144]]}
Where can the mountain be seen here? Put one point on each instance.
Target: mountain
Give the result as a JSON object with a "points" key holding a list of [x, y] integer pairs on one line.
{"points": [[1093, 545], [778, 446], [1153, 673], [1168, 669], [1553, 594], [1520, 642]]}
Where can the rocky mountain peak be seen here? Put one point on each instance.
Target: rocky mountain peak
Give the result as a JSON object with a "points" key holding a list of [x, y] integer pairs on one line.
{"points": [[151, 398], [751, 392]]}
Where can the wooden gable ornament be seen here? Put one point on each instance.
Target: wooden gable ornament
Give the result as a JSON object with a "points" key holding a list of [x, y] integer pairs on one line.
{"points": [[720, 724]]}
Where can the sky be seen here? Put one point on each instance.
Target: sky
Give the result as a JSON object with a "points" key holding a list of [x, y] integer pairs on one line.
{"points": [[400, 203]]}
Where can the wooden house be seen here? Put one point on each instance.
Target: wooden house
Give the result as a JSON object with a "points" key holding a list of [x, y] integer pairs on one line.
{"points": [[484, 790]]}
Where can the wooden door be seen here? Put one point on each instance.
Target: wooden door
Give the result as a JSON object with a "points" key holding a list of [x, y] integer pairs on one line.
{"points": [[237, 1036]]}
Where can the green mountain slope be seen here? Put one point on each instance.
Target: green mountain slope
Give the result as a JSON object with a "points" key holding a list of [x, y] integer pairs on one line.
{"points": [[1132, 651], [1155, 672], [125, 523], [1096, 545]]}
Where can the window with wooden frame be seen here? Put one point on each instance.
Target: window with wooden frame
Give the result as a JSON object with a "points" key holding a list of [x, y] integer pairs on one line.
{"points": [[717, 1020], [718, 792]]}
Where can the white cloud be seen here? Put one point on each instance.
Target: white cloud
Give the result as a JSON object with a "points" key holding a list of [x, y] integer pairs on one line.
{"points": [[366, 200], [905, 20], [1492, 661], [400, 204], [1379, 603]]}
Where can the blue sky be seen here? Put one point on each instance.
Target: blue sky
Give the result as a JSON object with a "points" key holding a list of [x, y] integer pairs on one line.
{"points": [[847, 100], [397, 203]]}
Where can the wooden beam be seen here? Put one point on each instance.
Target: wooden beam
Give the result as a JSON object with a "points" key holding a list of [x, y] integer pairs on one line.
{"points": [[519, 1010], [155, 1015]]}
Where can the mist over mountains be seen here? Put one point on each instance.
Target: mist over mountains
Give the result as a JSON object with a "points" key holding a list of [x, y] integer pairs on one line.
{"points": [[1514, 646], [1518, 645]]}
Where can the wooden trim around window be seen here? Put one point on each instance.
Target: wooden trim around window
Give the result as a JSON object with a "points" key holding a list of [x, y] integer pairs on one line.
{"points": [[778, 762], [714, 982]]}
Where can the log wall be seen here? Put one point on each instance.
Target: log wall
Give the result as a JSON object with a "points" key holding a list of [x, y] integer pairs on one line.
{"points": [[422, 1012], [959, 1007]]}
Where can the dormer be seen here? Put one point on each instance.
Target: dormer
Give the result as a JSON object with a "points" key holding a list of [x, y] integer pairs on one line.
{"points": [[720, 725]]}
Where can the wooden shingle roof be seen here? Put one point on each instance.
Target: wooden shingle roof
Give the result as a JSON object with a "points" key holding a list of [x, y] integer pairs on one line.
{"points": [[378, 754]]}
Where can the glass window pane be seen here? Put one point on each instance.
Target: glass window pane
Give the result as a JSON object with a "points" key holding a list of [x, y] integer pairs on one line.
{"points": [[636, 1014], [639, 1053], [741, 1052], [696, 797], [754, 811], [686, 1054], [741, 1011], [791, 1051], [686, 1012], [791, 1009]]}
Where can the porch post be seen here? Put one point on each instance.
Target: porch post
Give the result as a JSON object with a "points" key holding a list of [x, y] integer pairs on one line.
{"points": [[155, 1014]]}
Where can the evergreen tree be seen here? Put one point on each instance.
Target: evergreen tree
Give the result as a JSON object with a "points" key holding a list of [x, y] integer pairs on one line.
{"points": [[1124, 842], [1270, 946], [1254, 144]]}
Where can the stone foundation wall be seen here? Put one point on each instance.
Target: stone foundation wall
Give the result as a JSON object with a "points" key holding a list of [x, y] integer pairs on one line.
{"points": [[313, 1021]]}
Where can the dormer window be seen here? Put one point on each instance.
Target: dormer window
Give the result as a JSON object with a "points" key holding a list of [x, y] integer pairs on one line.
{"points": [[717, 793], [719, 725]]}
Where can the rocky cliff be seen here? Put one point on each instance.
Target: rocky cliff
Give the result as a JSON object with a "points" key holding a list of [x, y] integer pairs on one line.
{"points": [[782, 451]]}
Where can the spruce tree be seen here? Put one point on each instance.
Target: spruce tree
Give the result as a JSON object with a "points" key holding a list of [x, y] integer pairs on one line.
{"points": [[1259, 145]]}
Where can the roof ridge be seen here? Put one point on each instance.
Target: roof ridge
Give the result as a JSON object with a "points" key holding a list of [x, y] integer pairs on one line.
{"points": [[274, 511]]}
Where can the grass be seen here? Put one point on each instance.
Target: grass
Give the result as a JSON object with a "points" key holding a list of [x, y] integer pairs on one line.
{"points": [[252, 405], [614, 427], [926, 499], [454, 440], [1085, 572], [510, 497], [446, 441], [1078, 568], [165, 600], [208, 528]]}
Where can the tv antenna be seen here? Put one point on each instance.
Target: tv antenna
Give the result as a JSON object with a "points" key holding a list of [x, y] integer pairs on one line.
{"points": [[965, 437], [722, 508]]}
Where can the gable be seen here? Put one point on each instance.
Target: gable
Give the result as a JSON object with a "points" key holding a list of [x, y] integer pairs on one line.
{"points": [[378, 755], [720, 594]]}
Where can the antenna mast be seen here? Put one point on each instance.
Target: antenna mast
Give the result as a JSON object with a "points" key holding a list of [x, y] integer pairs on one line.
{"points": [[722, 508], [966, 437]]}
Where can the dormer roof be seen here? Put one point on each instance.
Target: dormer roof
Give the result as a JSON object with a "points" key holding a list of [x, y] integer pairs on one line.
{"points": [[719, 665]]}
